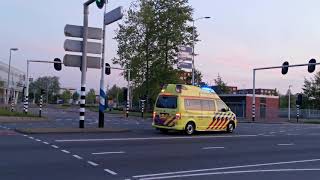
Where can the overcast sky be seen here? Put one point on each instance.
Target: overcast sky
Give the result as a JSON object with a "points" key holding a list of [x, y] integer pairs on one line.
{"points": [[240, 36]]}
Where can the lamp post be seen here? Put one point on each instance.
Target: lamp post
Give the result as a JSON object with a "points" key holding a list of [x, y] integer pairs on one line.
{"points": [[8, 85], [193, 44], [289, 103]]}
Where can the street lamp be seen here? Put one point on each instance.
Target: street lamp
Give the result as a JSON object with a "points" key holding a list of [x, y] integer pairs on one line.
{"points": [[8, 85], [289, 103], [193, 39]]}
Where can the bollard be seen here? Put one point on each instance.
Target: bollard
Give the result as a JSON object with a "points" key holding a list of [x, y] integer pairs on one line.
{"points": [[298, 113], [40, 105], [142, 108], [127, 109]]}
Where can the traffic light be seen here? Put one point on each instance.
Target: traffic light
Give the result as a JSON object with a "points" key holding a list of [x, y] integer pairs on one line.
{"points": [[42, 91], [108, 69], [285, 68], [299, 100], [100, 3], [57, 64], [125, 92], [312, 66]]}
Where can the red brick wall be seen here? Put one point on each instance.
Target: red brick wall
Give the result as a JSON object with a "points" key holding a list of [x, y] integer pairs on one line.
{"points": [[272, 108]]}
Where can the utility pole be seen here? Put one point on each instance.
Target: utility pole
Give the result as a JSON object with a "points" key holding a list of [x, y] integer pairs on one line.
{"points": [[289, 103], [9, 71]]}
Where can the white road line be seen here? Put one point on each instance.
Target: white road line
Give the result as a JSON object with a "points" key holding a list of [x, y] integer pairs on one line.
{"points": [[25, 135], [110, 172], [288, 144], [65, 151], [205, 148], [293, 134], [45, 142], [228, 172], [30, 137], [38, 140], [152, 138], [101, 153], [54, 146], [76, 156], [92, 163], [228, 167]]}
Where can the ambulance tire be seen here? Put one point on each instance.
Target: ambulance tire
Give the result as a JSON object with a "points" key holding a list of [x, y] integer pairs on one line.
{"points": [[230, 127], [190, 128]]}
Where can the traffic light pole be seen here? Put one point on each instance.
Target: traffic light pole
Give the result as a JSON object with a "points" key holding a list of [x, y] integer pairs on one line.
{"points": [[254, 82], [102, 101], [26, 95]]}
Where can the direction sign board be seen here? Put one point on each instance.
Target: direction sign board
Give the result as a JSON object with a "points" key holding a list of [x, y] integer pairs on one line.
{"points": [[113, 16], [76, 46], [77, 31], [75, 61], [185, 65]]}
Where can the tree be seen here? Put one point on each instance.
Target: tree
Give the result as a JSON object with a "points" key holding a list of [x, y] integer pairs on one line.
{"points": [[116, 94], [222, 87], [50, 84], [75, 96], [66, 96], [311, 92], [91, 97], [148, 41]]}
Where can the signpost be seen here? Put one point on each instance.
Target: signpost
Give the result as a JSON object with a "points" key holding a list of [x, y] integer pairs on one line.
{"points": [[75, 61]]}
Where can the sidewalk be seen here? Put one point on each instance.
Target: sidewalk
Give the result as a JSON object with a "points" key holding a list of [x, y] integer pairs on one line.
{"points": [[16, 119]]}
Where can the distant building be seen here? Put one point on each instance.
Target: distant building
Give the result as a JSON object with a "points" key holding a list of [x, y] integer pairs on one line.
{"points": [[17, 82], [269, 92]]}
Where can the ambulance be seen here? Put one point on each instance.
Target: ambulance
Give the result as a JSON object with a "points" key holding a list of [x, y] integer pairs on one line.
{"points": [[190, 109]]}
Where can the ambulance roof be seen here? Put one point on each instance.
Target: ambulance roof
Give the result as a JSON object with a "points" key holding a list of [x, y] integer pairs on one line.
{"points": [[188, 90]]}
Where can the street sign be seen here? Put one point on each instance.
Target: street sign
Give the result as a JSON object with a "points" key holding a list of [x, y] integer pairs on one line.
{"points": [[113, 16], [185, 65], [185, 49], [76, 46], [75, 61], [77, 31]]}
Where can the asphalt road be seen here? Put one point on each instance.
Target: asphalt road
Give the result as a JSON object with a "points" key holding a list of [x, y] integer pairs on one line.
{"points": [[254, 151]]}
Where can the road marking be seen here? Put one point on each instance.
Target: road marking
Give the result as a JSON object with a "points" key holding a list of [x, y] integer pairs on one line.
{"points": [[288, 144], [110, 172], [101, 153], [45, 143], [92, 163], [228, 172], [25, 135], [266, 135], [228, 167], [205, 148], [152, 138], [293, 134], [65, 151], [38, 140], [54, 146], [31, 137], [76, 156]]}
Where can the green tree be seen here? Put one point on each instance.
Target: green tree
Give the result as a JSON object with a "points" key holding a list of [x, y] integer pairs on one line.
{"points": [[50, 84], [148, 41], [222, 87], [66, 96], [75, 96], [311, 92], [91, 97], [116, 94]]}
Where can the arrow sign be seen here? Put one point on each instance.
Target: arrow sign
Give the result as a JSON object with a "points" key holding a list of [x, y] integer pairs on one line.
{"points": [[77, 31], [76, 46], [113, 16], [75, 61]]}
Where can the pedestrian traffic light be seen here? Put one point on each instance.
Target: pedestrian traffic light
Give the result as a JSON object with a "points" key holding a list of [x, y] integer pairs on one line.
{"points": [[42, 91], [285, 68], [57, 64], [100, 3], [299, 100], [312, 65], [107, 69]]}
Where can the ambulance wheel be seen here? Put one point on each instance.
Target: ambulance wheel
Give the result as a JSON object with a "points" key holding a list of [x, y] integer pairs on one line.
{"points": [[230, 127], [164, 131], [190, 128]]}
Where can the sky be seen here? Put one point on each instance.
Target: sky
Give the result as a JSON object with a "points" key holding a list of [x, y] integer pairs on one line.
{"points": [[240, 36]]}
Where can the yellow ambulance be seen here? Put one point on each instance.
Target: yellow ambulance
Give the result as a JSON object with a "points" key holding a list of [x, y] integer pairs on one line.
{"points": [[190, 108]]}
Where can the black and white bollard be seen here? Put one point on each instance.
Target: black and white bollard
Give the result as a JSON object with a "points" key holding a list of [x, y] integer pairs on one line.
{"points": [[82, 106], [298, 113], [142, 108], [40, 105], [25, 105], [12, 105], [127, 109]]}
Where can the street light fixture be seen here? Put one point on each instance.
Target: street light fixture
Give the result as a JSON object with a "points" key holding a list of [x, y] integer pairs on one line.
{"points": [[193, 44], [8, 85]]}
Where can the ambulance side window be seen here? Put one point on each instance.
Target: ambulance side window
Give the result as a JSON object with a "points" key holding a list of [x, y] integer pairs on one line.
{"points": [[221, 106], [192, 104], [208, 105]]}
